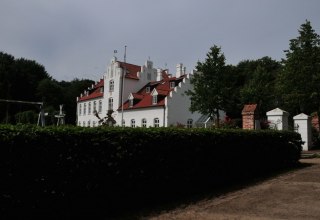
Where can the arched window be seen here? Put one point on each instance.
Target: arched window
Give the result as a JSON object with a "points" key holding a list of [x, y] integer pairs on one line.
{"points": [[144, 123], [156, 122], [110, 103], [100, 106], [189, 123], [94, 106], [89, 108], [133, 123], [111, 86]]}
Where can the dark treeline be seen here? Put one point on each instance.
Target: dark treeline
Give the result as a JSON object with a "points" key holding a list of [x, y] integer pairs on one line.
{"points": [[27, 80], [292, 84]]}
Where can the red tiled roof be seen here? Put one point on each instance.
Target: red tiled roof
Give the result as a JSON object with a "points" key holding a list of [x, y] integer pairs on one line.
{"points": [[249, 108], [94, 93], [131, 70], [163, 89], [137, 96]]}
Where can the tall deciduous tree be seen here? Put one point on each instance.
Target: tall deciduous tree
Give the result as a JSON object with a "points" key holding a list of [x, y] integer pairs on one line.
{"points": [[299, 82], [210, 90]]}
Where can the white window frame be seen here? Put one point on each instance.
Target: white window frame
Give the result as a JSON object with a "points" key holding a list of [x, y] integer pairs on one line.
{"points": [[80, 109], [156, 122], [100, 106], [154, 99], [89, 108], [94, 106], [144, 123], [189, 123], [111, 85], [110, 103], [84, 108], [133, 123]]}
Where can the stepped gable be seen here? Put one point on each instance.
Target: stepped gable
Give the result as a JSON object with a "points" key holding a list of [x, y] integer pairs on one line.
{"points": [[94, 92], [143, 99]]}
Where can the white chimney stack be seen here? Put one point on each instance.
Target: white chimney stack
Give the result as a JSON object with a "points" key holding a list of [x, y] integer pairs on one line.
{"points": [[179, 70], [159, 74]]}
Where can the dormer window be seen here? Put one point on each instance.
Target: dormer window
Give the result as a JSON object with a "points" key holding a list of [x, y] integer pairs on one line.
{"points": [[172, 84], [147, 89], [101, 89], [154, 99], [130, 103]]}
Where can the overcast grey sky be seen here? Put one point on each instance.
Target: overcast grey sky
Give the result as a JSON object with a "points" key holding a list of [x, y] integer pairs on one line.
{"points": [[76, 38]]}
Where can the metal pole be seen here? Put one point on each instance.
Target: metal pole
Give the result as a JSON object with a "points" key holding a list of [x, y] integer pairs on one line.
{"points": [[122, 86]]}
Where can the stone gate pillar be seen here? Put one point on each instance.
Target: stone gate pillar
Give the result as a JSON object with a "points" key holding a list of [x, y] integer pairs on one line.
{"points": [[302, 125], [278, 119], [250, 117]]}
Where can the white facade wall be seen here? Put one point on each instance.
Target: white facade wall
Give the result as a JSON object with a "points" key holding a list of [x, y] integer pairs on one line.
{"points": [[143, 113], [178, 104], [86, 119]]}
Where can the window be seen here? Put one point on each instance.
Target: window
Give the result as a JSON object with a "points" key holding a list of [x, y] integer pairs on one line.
{"points": [[100, 106], [80, 109], [110, 103], [189, 123], [123, 123], [89, 123], [147, 89], [156, 122], [89, 108], [93, 123], [84, 124], [84, 109], [111, 85], [94, 106], [172, 84], [154, 100], [144, 123], [101, 89], [79, 123], [133, 123]]}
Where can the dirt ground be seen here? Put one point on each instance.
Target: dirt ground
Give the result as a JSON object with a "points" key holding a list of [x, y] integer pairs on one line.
{"points": [[292, 195]]}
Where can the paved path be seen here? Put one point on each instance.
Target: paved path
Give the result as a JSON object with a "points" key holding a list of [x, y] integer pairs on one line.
{"points": [[293, 195]]}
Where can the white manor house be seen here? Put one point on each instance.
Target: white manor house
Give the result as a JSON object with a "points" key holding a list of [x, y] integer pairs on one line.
{"points": [[151, 98]]}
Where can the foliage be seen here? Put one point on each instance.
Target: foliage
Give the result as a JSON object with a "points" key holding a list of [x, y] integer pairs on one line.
{"points": [[210, 85], [68, 170], [298, 83], [26, 80]]}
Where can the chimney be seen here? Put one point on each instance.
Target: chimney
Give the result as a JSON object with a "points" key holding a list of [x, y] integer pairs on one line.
{"points": [[179, 70], [159, 75]]}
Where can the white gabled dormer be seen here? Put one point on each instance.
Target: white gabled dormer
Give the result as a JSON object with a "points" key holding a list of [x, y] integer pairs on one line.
{"points": [[154, 95]]}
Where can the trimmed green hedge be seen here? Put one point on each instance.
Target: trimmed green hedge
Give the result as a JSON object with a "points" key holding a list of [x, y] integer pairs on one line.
{"points": [[61, 170]]}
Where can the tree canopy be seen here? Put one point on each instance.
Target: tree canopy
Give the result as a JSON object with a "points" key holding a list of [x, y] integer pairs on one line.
{"points": [[299, 82], [210, 88]]}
